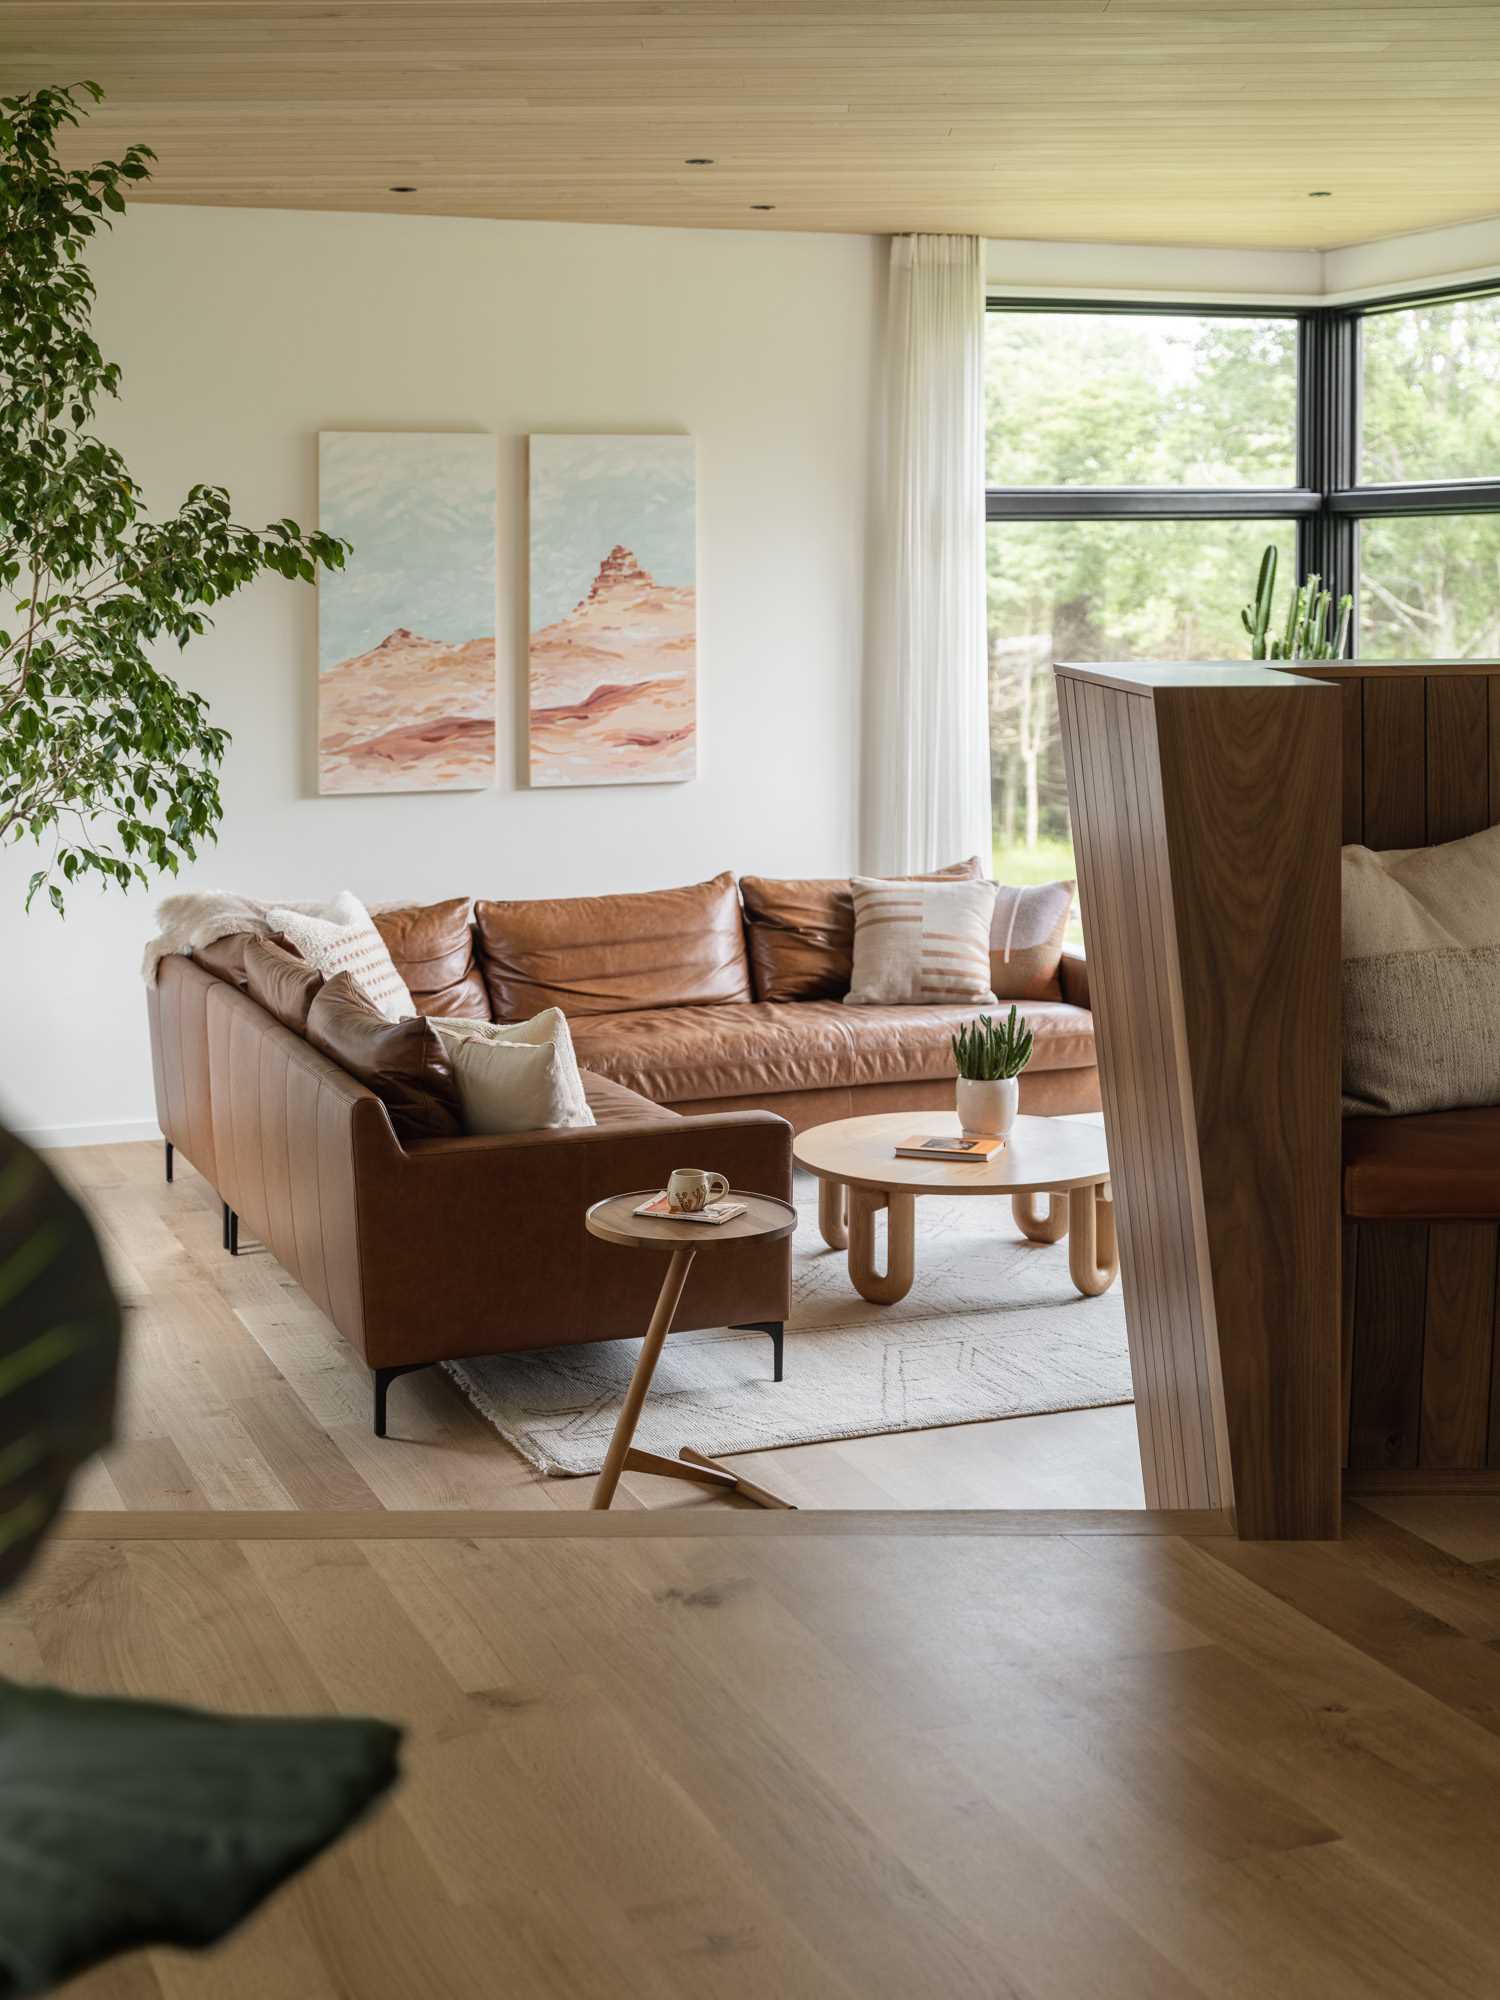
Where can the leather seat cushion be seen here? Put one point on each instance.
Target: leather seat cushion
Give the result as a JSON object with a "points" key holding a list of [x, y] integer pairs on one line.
{"points": [[432, 947], [1435, 1166], [614, 954], [613, 1104], [681, 1054]]}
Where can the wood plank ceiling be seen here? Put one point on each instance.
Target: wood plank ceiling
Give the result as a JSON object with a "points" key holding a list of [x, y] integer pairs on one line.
{"points": [[1152, 121]]}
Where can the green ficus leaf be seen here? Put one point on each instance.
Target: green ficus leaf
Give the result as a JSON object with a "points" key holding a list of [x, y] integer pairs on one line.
{"points": [[94, 582]]}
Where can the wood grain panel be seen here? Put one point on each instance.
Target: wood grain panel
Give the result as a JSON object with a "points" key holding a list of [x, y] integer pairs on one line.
{"points": [[1458, 746], [1458, 1343], [1146, 1103], [1152, 122], [1395, 762], [1348, 1274], [1208, 838], [1352, 693], [1385, 1417]]}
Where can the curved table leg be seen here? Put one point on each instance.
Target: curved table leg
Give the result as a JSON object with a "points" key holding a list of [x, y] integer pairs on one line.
{"points": [[1049, 1228], [833, 1214], [1093, 1257], [900, 1244]]}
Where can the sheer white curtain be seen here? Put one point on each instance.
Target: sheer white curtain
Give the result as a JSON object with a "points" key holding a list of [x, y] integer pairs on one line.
{"points": [[927, 758]]}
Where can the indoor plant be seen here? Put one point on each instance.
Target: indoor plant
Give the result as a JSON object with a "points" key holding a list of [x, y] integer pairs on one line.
{"points": [[105, 761], [990, 1056], [1305, 634]]}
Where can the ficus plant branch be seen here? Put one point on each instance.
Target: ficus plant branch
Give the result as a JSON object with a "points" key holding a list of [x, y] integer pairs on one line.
{"points": [[105, 761]]}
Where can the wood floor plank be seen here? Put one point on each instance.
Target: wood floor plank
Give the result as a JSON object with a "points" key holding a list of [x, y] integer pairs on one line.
{"points": [[861, 1767], [268, 1524]]}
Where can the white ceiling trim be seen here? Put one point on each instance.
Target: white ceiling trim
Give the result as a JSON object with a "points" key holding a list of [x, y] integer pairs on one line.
{"points": [[1147, 274]]}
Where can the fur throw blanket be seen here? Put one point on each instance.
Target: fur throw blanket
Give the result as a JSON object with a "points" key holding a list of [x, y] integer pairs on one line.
{"points": [[203, 916]]}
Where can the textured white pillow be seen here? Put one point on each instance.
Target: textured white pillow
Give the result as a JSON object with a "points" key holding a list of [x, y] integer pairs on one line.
{"points": [[921, 942], [348, 942], [543, 1097]]}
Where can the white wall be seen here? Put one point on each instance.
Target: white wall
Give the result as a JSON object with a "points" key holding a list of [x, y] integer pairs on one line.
{"points": [[242, 333]]}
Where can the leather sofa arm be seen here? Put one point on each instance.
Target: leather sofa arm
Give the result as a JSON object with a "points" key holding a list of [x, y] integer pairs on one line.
{"points": [[478, 1245], [1073, 976], [752, 1149]]}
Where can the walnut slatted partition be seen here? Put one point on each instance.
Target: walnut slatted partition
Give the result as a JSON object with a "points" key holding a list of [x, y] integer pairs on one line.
{"points": [[1421, 1318], [1207, 835]]}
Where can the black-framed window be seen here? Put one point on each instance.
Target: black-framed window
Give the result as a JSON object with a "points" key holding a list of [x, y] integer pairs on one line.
{"points": [[1140, 457]]}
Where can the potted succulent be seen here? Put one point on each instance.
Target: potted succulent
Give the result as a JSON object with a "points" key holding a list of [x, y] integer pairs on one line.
{"points": [[990, 1056]]}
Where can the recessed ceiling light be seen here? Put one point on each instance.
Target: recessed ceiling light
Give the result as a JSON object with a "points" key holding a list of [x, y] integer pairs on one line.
{"points": [[765, 207], [401, 188], [697, 163], [1319, 194]]}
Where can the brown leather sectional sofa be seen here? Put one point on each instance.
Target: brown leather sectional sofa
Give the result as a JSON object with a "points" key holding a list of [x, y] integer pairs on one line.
{"points": [[451, 1247]]}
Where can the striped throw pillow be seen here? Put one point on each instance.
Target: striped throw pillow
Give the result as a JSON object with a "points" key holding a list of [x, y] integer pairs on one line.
{"points": [[347, 941], [921, 943]]}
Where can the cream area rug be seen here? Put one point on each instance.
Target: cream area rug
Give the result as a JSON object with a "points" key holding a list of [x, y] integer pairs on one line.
{"points": [[992, 1328]]}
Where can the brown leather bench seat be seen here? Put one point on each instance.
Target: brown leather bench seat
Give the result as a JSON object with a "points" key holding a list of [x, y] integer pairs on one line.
{"points": [[1435, 1166], [766, 1049]]}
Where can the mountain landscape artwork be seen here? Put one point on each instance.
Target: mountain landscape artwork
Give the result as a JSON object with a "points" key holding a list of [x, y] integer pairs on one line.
{"points": [[406, 631], [613, 652]]}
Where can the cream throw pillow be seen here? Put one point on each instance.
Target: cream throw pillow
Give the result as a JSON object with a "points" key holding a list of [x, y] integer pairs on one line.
{"points": [[347, 941], [921, 943], [1026, 939], [519, 1076], [1421, 937]]}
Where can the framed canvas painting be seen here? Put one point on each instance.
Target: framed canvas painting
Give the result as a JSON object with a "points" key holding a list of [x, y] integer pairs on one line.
{"points": [[406, 631], [613, 652]]}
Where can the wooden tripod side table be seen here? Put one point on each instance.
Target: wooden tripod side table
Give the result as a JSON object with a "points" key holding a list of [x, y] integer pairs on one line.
{"points": [[766, 1218]]}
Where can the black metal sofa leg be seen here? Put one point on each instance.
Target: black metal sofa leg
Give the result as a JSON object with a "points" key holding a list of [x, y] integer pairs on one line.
{"points": [[231, 1231], [776, 1328], [167, 1144], [384, 1377]]}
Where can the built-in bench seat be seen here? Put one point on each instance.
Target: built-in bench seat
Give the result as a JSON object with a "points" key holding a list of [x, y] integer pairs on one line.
{"points": [[1440, 1166]]}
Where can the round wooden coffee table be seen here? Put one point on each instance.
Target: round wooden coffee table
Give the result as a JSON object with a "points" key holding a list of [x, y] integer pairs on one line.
{"points": [[766, 1217], [859, 1174]]}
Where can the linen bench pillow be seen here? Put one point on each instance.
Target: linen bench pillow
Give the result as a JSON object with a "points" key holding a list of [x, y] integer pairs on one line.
{"points": [[1421, 948], [921, 943]]}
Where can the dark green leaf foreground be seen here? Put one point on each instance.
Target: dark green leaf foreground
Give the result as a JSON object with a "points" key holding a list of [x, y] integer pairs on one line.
{"points": [[126, 1823], [105, 762]]}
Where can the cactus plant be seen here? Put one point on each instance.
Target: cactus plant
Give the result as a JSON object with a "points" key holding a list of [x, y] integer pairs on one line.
{"points": [[1305, 634], [987, 1050], [1256, 616]]}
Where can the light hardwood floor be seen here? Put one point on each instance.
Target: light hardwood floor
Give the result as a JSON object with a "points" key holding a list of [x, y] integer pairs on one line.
{"points": [[760, 1757], [241, 1394]]}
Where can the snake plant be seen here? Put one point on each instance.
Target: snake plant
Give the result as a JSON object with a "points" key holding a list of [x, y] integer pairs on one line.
{"points": [[986, 1050]]}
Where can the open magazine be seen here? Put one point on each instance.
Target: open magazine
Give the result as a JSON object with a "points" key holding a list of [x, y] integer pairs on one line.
{"points": [[715, 1212]]}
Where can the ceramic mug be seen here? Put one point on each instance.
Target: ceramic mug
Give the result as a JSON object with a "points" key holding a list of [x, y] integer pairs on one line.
{"points": [[690, 1188]]}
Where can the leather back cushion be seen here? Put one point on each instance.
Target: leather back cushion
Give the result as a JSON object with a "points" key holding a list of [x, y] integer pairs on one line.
{"points": [[614, 954], [403, 1062], [432, 947], [282, 983], [802, 932], [225, 957]]}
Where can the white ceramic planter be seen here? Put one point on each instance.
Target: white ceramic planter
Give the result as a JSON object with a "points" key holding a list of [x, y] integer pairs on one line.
{"points": [[988, 1109]]}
